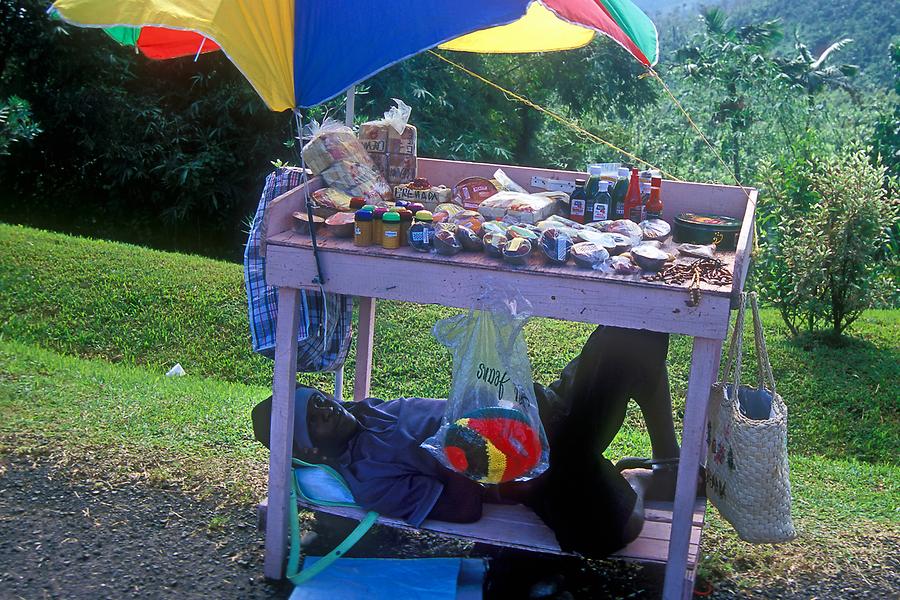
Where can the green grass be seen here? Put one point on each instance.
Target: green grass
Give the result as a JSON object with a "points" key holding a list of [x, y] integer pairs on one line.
{"points": [[137, 306], [87, 329]]}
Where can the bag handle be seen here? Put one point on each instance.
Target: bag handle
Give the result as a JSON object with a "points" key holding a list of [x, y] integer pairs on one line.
{"points": [[733, 362], [764, 366]]}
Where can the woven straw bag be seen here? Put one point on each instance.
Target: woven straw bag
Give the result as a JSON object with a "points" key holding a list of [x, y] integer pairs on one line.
{"points": [[747, 464]]}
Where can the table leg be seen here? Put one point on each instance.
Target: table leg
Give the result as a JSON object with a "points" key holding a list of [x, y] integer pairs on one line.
{"points": [[282, 432], [365, 338], [704, 367]]}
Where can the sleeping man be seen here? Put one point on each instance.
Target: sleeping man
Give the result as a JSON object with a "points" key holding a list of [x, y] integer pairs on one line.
{"points": [[592, 508]]}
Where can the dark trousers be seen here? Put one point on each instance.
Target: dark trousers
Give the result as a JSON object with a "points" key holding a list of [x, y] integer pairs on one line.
{"points": [[582, 496]]}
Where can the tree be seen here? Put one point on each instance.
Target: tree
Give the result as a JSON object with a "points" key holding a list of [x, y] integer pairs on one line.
{"points": [[15, 123]]}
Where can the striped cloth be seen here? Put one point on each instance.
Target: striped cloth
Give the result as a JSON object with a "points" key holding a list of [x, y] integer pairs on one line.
{"points": [[323, 335]]}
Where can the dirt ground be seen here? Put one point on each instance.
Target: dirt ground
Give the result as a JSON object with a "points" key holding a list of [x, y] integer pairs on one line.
{"points": [[92, 537]]}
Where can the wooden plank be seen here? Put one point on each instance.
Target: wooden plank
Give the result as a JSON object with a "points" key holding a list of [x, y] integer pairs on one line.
{"points": [[365, 341], [516, 526], [704, 360], [745, 243], [278, 217], [282, 431], [590, 300], [678, 196]]}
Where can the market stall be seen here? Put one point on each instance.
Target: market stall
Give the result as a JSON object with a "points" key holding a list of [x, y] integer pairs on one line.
{"points": [[565, 291]]}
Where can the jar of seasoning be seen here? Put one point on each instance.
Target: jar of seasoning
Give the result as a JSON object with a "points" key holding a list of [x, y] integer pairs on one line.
{"points": [[406, 218], [362, 228], [390, 226], [421, 231], [377, 224]]}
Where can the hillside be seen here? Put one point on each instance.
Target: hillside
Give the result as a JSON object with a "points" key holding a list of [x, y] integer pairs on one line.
{"points": [[872, 24]]}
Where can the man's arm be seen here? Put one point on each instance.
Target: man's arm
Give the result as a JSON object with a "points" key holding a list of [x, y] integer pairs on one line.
{"points": [[459, 502]]}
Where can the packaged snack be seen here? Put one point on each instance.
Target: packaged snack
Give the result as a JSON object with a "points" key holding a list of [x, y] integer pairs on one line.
{"points": [[628, 228], [516, 251], [443, 212], [588, 255], [655, 229], [494, 243], [507, 184], [332, 198], [697, 250], [445, 242], [555, 246], [622, 265], [421, 191], [496, 227], [469, 239], [334, 153], [391, 142], [649, 258], [340, 224], [468, 218], [472, 191], [525, 208]]}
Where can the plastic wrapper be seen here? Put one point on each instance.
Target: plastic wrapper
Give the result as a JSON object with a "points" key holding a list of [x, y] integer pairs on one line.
{"points": [[649, 257], [622, 265], [334, 153], [468, 218], [472, 191], [491, 431], [332, 198], [588, 255], [507, 184], [628, 228], [697, 251], [421, 191], [444, 212], [525, 208], [655, 229], [495, 227], [558, 221], [555, 246], [392, 142]]}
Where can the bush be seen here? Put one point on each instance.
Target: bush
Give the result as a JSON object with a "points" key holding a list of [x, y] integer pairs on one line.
{"points": [[828, 255]]}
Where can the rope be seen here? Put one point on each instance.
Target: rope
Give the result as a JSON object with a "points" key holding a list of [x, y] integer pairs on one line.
{"points": [[553, 115], [654, 74]]}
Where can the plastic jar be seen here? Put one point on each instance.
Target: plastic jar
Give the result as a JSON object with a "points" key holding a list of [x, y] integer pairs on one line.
{"points": [[362, 228], [377, 229], [406, 218], [421, 231], [390, 226]]}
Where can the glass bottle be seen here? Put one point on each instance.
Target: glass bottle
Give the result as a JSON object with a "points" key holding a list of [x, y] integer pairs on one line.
{"points": [[577, 202]]}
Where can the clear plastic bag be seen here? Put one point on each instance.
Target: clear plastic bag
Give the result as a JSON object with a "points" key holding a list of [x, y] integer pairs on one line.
{"points": [[491, 431]]}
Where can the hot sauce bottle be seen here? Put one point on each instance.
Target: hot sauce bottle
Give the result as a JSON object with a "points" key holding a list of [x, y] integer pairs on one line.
{"points": [[633, 203]]}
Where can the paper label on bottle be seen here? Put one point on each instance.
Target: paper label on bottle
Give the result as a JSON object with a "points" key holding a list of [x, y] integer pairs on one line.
{"points": [[577, 207], [390, 234], [601, 212]]}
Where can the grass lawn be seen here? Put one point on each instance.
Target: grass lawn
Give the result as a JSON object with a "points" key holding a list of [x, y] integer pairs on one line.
{"points": [[87, 329]]}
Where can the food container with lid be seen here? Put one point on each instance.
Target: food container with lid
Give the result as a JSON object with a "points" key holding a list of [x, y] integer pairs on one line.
{"points": [[702, 229]]}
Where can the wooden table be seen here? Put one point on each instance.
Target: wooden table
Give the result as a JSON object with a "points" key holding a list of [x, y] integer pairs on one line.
{"points": [[561, 292]]}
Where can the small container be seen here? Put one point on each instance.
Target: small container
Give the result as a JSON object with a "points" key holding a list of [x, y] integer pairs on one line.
{"points": [[362, 229], [469, 240], [340, 224], [589, 255], [301, 222], [421, 232], [649, 258], [516, 251], [390, 230], [357, 202], [555, 246], [445, 242], [707, 229], [494, 243], [415, 207], [406, 218], [377, 224]]}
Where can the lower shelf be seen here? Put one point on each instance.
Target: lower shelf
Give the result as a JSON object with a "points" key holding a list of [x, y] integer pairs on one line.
{"points": [[516, 526]]}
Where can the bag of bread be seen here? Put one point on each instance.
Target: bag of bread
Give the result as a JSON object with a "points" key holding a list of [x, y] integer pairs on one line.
{"points": [[391, 143]]}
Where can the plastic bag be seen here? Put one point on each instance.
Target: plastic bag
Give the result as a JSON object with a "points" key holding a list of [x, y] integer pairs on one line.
{"points": [[491, 431], [391, 142], [517, 207]]}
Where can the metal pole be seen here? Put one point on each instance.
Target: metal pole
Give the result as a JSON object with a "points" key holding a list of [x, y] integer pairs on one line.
{"points": [[351, 106]]}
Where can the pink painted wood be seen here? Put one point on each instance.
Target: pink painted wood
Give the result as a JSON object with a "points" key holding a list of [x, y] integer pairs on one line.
{"points": [[516, 526], [704, 364], [365, 341], [573, 295], [279, 214], [282, 431]]}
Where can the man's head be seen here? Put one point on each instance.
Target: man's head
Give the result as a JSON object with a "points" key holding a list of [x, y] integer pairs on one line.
{"points": [[322, 426]]}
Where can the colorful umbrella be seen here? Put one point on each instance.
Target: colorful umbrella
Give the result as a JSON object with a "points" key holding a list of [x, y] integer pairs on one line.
{"points": [[299, 53], [161, 43]]}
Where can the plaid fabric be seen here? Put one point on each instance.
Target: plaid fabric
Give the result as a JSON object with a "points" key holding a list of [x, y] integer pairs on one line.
{"points": [[323, 336]]}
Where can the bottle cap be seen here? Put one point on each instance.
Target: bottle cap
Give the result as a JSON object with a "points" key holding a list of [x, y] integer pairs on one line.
{"points": [[369, 207], [604, 185], [580, 182], [405, 215], [357, 202], [424, 215], [656, 181], [391, 217], [379, 212], [363, 215], [415, 207]]}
